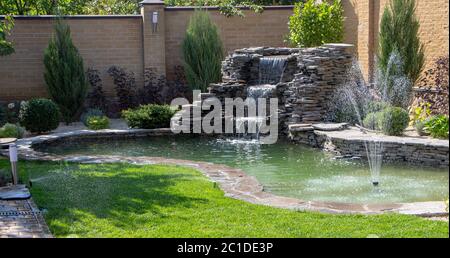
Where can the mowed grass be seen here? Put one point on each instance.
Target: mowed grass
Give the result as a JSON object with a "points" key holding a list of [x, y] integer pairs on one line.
{"points": [[122, 200]]}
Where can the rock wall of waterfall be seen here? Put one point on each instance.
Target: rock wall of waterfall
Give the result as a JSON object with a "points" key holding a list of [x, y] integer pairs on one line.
{"points": [[308, 80]]}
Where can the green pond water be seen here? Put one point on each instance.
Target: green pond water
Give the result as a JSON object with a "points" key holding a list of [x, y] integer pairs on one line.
{"points": [[285, 169]]}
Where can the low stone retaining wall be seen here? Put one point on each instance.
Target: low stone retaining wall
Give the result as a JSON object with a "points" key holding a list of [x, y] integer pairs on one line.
{"points": [[234, 182], [420, 151]]}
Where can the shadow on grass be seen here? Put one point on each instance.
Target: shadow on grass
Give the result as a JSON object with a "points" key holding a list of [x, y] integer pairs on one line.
{"points": [[126, 196]]}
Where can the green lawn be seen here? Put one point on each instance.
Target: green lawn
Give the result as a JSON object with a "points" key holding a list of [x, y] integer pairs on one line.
{"points": [[121, 200]]}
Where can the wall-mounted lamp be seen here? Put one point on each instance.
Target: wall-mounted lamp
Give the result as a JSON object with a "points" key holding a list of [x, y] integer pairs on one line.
{"points": [[155, 21]]}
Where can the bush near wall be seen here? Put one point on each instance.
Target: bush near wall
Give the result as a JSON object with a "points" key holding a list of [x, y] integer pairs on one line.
{"points": [[39, 115], [437, 126], [90, 113], [98, 122], [394, 120], [149, 116], [11, 131], [125, 86], [314, 24]]}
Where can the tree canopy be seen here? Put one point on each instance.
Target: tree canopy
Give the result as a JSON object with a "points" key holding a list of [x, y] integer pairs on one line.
{"points": [[104, 7], [6, 47]]}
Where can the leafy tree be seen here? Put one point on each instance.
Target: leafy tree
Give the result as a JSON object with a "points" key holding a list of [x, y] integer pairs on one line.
{"points": [[64, 73], [399, 32], [314, 24], [103, 7], [202, 52], [69, 7], [6, 47], [230, 7], [41, 7]]}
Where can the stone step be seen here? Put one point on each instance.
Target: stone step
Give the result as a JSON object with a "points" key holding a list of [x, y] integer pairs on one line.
{"points": [[330, 126], [300, 127]]}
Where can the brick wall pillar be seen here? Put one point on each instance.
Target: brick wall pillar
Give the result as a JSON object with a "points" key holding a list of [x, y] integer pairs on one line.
{"points": [[154, 35]]}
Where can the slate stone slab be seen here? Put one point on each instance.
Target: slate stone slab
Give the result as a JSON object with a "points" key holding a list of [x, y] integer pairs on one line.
{"points": [[15, 192], [330, 126], [7, 140]]}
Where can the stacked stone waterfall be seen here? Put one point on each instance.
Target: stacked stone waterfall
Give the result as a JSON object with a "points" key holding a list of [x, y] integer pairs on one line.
{"points": [[270, 72], [305, 87]]}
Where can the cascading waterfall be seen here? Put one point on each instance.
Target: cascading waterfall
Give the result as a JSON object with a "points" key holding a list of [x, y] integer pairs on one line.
{"points": [[254, 123], [271, 71]]}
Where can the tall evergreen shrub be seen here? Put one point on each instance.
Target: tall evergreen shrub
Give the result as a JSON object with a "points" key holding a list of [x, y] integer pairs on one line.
{"points": [[399, 32], [64, 73], [202, 52]]}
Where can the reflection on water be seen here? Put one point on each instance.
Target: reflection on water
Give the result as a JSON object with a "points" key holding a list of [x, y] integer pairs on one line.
{"points": [[284, 168]]}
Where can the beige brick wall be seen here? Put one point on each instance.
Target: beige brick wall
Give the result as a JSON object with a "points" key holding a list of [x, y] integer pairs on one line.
{"points": [[101, 41], [358, 28], [106, 41], [266, 29]]}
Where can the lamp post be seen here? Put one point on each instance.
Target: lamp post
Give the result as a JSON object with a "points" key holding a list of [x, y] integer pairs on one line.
{"points": [[10, 144], [13, 159]]}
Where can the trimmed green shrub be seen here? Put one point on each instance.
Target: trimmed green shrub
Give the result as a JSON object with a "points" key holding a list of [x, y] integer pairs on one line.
{"points": [[89, 113], [375, 106], [399, 31], [314, 24], [98, 122], [149, 116], [11, 131], [372, 121], [39, 115], [394, 120], [64, 73], [437, 126], [202, 52]]}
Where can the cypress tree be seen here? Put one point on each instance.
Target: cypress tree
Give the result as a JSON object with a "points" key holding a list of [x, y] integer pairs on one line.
{"points": [[399, 32], [64, 73], [202, 52]]}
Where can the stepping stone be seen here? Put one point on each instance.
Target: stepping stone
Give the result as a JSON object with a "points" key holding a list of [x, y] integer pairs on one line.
{"points": [[300, 127], [330, 126], [15, 192]]}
